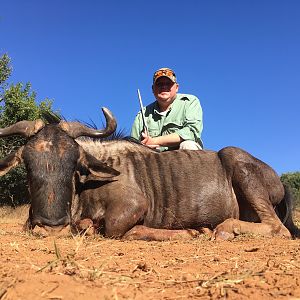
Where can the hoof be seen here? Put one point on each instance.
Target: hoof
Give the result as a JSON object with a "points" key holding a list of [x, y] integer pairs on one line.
{"points": [[283, 232], [85, 226], [136, 233], [222, 236], [193, 233]]}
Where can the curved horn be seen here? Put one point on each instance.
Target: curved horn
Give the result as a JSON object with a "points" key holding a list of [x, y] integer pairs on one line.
{"points": [[24, 128], [76, 129]]}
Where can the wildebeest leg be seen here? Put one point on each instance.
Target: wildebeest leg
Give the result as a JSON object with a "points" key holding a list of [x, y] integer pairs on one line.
{"points": [[141, 232], [249, 185], [232, 227], [123, 214]]}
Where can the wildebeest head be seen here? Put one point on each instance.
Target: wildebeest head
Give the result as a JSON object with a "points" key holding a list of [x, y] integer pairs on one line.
{"points": [[51, 157]]}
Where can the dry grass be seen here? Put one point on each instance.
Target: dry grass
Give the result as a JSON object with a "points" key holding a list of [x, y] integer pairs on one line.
{"points": [[118, 266], [93, 267], [10, 214]]}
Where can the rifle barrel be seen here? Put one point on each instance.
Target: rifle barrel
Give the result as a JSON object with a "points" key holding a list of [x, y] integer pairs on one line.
{"points": [[142, 111]]}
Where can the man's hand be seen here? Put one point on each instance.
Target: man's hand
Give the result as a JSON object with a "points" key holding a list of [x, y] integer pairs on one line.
{"points": [[149, 141], [172, 139]]}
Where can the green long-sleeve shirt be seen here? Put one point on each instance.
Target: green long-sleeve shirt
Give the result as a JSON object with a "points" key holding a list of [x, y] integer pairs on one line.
{"points": [[184, 118]]}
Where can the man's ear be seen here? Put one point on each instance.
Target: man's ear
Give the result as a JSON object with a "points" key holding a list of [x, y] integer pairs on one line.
{"points": [[10, 161], [96, 167], [177, 87]]}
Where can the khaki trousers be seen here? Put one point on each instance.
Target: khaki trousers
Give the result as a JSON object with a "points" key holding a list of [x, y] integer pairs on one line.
{"points": [[189, 145]]}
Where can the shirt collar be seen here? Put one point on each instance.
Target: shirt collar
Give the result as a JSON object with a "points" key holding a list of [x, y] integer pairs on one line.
{"points": [[156, 107]]}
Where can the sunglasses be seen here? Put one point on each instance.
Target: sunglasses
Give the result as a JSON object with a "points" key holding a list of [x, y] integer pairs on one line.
{"points": [[168, 83]]}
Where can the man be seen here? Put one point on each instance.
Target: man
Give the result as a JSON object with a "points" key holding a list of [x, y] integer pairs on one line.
{"points": [[174, 120]]}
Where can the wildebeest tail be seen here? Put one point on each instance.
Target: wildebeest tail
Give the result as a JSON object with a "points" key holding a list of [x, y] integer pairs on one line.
{"points": [[284, 211]]}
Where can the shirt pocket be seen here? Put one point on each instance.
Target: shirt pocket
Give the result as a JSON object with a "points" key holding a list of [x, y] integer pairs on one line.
{"points": [[153, 131], [173, 126]]}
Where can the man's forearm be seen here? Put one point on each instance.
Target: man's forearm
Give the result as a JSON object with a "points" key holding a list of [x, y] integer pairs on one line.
{"points": [[169, 140]]}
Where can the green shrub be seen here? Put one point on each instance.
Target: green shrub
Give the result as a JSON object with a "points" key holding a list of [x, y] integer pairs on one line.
{"points": [[17, 103], [293, 181]]}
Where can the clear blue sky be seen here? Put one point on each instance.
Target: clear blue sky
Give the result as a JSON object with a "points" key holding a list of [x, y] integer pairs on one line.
{"points": [[241, 58]]}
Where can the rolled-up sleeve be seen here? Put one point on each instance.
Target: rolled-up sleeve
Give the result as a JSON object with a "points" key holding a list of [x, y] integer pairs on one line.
{"points": [[137, 127], [193, 123]]}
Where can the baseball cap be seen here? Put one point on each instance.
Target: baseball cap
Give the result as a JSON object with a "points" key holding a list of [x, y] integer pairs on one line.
{"points": [[164, 72]]}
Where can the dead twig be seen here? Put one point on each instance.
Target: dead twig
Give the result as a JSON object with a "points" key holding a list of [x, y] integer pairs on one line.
{"points": [[2, 293], [50, 291]]}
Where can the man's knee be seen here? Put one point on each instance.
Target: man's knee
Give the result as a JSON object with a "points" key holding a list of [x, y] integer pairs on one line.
{"points": [[189, 145]]}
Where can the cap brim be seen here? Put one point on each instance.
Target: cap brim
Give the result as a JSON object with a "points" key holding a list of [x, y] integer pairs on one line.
{"points": [[170, 77]]}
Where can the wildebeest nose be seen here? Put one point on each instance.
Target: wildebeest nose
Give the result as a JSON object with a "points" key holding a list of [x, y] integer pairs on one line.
{"points": [[45, 222], [53, 231]]}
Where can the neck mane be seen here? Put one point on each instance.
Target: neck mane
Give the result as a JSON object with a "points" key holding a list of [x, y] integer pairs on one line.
{"points": [[107, 150]]}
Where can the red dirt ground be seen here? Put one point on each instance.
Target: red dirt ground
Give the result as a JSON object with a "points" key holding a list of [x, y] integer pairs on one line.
{"points": [[37, 267]]}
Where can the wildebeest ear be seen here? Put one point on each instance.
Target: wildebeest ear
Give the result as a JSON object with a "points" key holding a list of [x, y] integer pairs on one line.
{"points": [[96, 167], [11, 161]]}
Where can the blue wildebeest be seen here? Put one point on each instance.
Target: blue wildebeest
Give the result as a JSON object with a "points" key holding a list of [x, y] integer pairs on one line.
{"points": [[130, 191]]}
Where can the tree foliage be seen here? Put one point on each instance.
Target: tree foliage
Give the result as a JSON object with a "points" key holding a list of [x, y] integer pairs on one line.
{"points": [[17, 103], [5, 68], [293, 181]]}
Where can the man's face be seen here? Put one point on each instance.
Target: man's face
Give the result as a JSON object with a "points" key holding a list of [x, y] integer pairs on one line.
{"points": [[165, 90]]}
